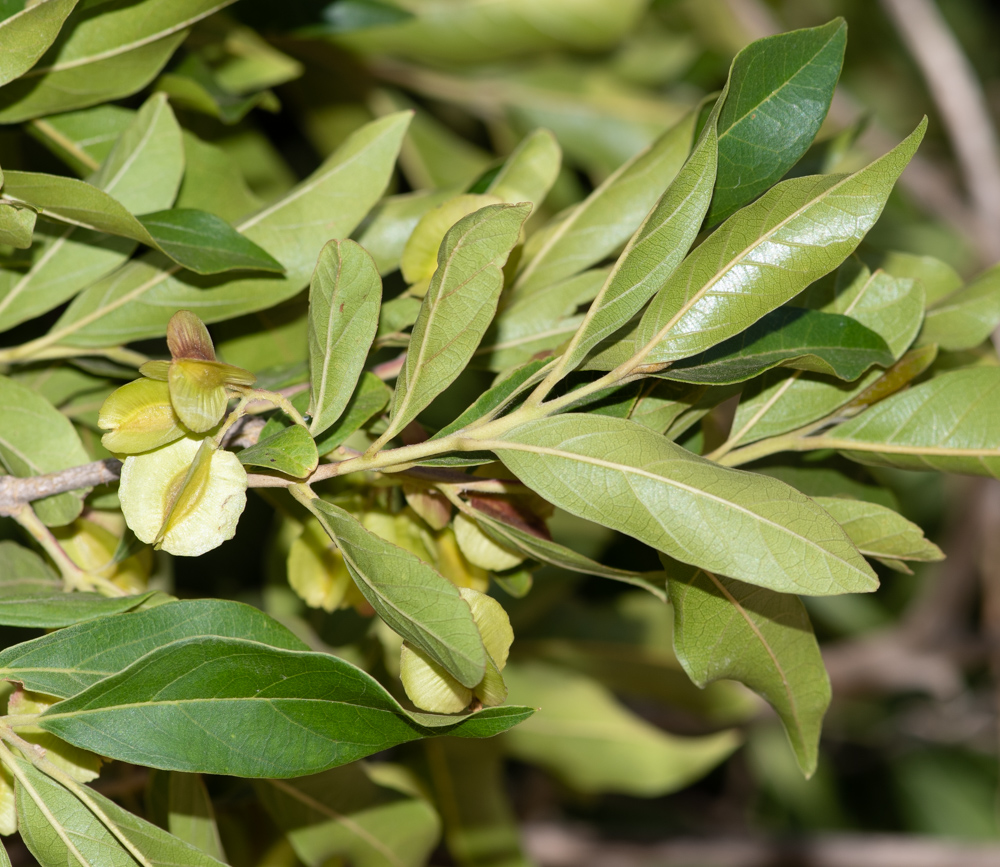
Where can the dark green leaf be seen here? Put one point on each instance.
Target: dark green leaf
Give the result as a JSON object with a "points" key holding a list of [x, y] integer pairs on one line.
{"points": [[290, 451]]}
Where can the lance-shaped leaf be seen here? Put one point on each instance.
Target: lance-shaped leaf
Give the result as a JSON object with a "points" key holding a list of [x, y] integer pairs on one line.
{"points": [[619, 474], [137, 300], [27, 33], [102, 55], [765, 255], [228, 706], [290, 451], [879, 531], [950, 424], [967, 317], [410, 596], [458, 307], [728, 630], [608, 216], [653, 252], [59, 829], [82, 139], [35, 438], [344, 301], [782, 87], [789, 337], [142, 171], [66, 662], [530, 170]]}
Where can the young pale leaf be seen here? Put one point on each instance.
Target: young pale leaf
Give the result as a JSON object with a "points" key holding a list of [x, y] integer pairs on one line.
{"points": [[16, 226], [137, 301], [728, 630], [142, 171], [35, 438], [765, 255], [653, 252], [66, 662], [211, 705], [388, 227], [27, 34], [290, 451], [619, 474], [59, 829], [104, 54], [595, 744], [412, 598], [460, 303], [788, 337], [967, 317], [347, 812], [608, 216], [781, 91], [344, 301], [880, 532], [950, 424]]}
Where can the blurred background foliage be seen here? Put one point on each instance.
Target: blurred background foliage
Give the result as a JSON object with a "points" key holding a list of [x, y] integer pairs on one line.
{"points": [[910, 744]]}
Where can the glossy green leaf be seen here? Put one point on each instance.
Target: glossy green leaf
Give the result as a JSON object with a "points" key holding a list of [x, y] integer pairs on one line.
{"points": [[344, 301], [653, 252], [205, 243], [781, 92], [35, 438], [61, 830], [765, 255], [727, 630], [68, 661], [410, 596], [965, 318], [103, 56], [788, 337], [142, 171], [290, 451], [346, 812], [607, 217], [228, 706], [458, 307], [27, 34], [137, 301], [949, 424], [16, 226], [593, 743], [530, 171], [622, 475], [880, 532]]}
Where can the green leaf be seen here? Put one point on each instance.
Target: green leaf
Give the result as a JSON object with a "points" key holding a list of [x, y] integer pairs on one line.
{"points": [[458, 307], [228, 706], [411, 597], [137, 301], [938, 278], [205, 243], [880, 532], [388, 227], [213, 183], [949, 424], [607, 217], [765, 255], [62, 830], [190, 815], [530, 170], [594, 744], [27, 34], [346, 812], [102, 55], [780, 94], [68, 661], [619, 474], [290, 451], [653, 252], [728, 630], [35, 438], [142, 170], [964, 319], [788, 337], [344, 303], [82, 139], [16, 226]]}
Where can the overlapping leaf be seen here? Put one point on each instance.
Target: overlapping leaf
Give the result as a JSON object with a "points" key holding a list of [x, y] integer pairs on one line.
{"points": [[880, 532], [965, 318], [27, 34]]}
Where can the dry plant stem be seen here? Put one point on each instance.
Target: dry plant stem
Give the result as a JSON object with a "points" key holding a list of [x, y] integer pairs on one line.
{"points": [[15, 491]]}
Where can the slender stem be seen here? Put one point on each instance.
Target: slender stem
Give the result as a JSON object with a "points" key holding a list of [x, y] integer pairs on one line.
{"points": [[787, 443]]}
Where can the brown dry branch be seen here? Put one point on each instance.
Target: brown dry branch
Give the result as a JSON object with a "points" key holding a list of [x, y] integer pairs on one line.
{"points": [[15, 491]]}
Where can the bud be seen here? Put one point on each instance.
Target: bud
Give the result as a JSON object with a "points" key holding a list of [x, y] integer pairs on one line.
{"points": [[185, 498], [139, 417]]}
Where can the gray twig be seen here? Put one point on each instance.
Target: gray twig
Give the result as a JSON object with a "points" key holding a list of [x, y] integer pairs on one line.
{"points": [[15, 491]]}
